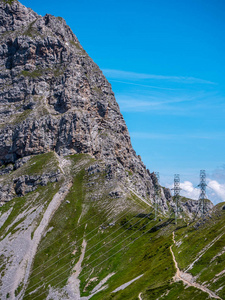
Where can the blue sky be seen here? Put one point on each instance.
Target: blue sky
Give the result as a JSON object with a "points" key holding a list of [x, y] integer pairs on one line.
{"points": [[166, 63]]}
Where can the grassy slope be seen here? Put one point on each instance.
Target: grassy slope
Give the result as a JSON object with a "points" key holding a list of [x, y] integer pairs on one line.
{"points": [[193, 241], [41, 197], [146, 255], [114, 248]]}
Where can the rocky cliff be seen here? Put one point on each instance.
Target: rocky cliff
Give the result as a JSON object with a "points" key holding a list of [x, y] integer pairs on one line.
{"points": [[70, 181], [55, 98]]}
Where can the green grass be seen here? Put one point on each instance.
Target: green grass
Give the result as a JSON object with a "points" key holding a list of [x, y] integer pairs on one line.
{"points": [[194, 240], [179, 291], [97, 90], [18, 290], [42, 195], [78, 47], [39, 164], [65, 232], [18, 206], [198, 238], [21, 117], [9, 1], [56, 71], [149, 255], [136, 244], [45, 196], [63, 235], [33, 74]]}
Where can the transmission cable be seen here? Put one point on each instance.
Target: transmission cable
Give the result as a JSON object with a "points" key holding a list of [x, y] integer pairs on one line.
{"points": [[105, 259], [96, 250]]}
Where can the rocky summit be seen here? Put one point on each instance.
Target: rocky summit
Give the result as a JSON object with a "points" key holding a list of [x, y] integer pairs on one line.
{"points": [[78, 206], [55, 98]]}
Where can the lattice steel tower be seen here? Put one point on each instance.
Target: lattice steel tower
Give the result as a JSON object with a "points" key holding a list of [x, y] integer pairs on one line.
{"points": [[176, 190], [202, 197], [157, 194]]}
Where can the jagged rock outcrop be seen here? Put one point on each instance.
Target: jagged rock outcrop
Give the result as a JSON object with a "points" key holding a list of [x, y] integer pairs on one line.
{"points": [[54, 97], [55, 102]]}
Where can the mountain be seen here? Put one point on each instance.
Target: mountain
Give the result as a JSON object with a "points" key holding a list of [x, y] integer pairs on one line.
{"points": [[77, 217]]}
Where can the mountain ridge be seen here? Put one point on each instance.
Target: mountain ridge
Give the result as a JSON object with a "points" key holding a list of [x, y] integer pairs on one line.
{"points": [[50, 79], [77, 218]]}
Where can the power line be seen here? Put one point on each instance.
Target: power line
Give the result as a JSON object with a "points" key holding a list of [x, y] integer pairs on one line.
{"points": [[67, 247], [103, 260], [72, 244], [157, 189], [41, 249], [87, 251], [176, 190], [202, 197]]}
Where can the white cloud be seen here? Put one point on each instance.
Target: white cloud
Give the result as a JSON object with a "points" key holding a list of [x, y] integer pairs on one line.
{"points": [[215, 191], [219, 189], [119, 74], [188, 190]]}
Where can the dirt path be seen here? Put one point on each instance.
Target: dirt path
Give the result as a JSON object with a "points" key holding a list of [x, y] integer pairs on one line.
{"points": [[201, 253], [64, 164], [187, 278]]}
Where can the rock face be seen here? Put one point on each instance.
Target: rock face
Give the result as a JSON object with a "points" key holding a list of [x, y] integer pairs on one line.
{"points": [[54, 97], [55, 102]]}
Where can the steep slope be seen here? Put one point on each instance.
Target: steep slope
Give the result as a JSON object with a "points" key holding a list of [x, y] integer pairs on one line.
{"points": [[95, 242], [77, 216], [205, 260], [57, 217], [55, 98]]}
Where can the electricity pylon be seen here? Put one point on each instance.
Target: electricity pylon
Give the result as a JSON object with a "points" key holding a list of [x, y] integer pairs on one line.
{"points": [[176, 190], [157, 194], [202, 197]]}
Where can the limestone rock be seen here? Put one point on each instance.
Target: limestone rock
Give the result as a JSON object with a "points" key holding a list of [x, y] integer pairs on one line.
{"points": [[54, 97]]}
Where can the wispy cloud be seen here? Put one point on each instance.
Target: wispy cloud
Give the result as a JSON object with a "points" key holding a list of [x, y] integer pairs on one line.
{"points": [[157, 101], [219, 173], [171, 136], [143, 85], [124, 75], [176, 103]]}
